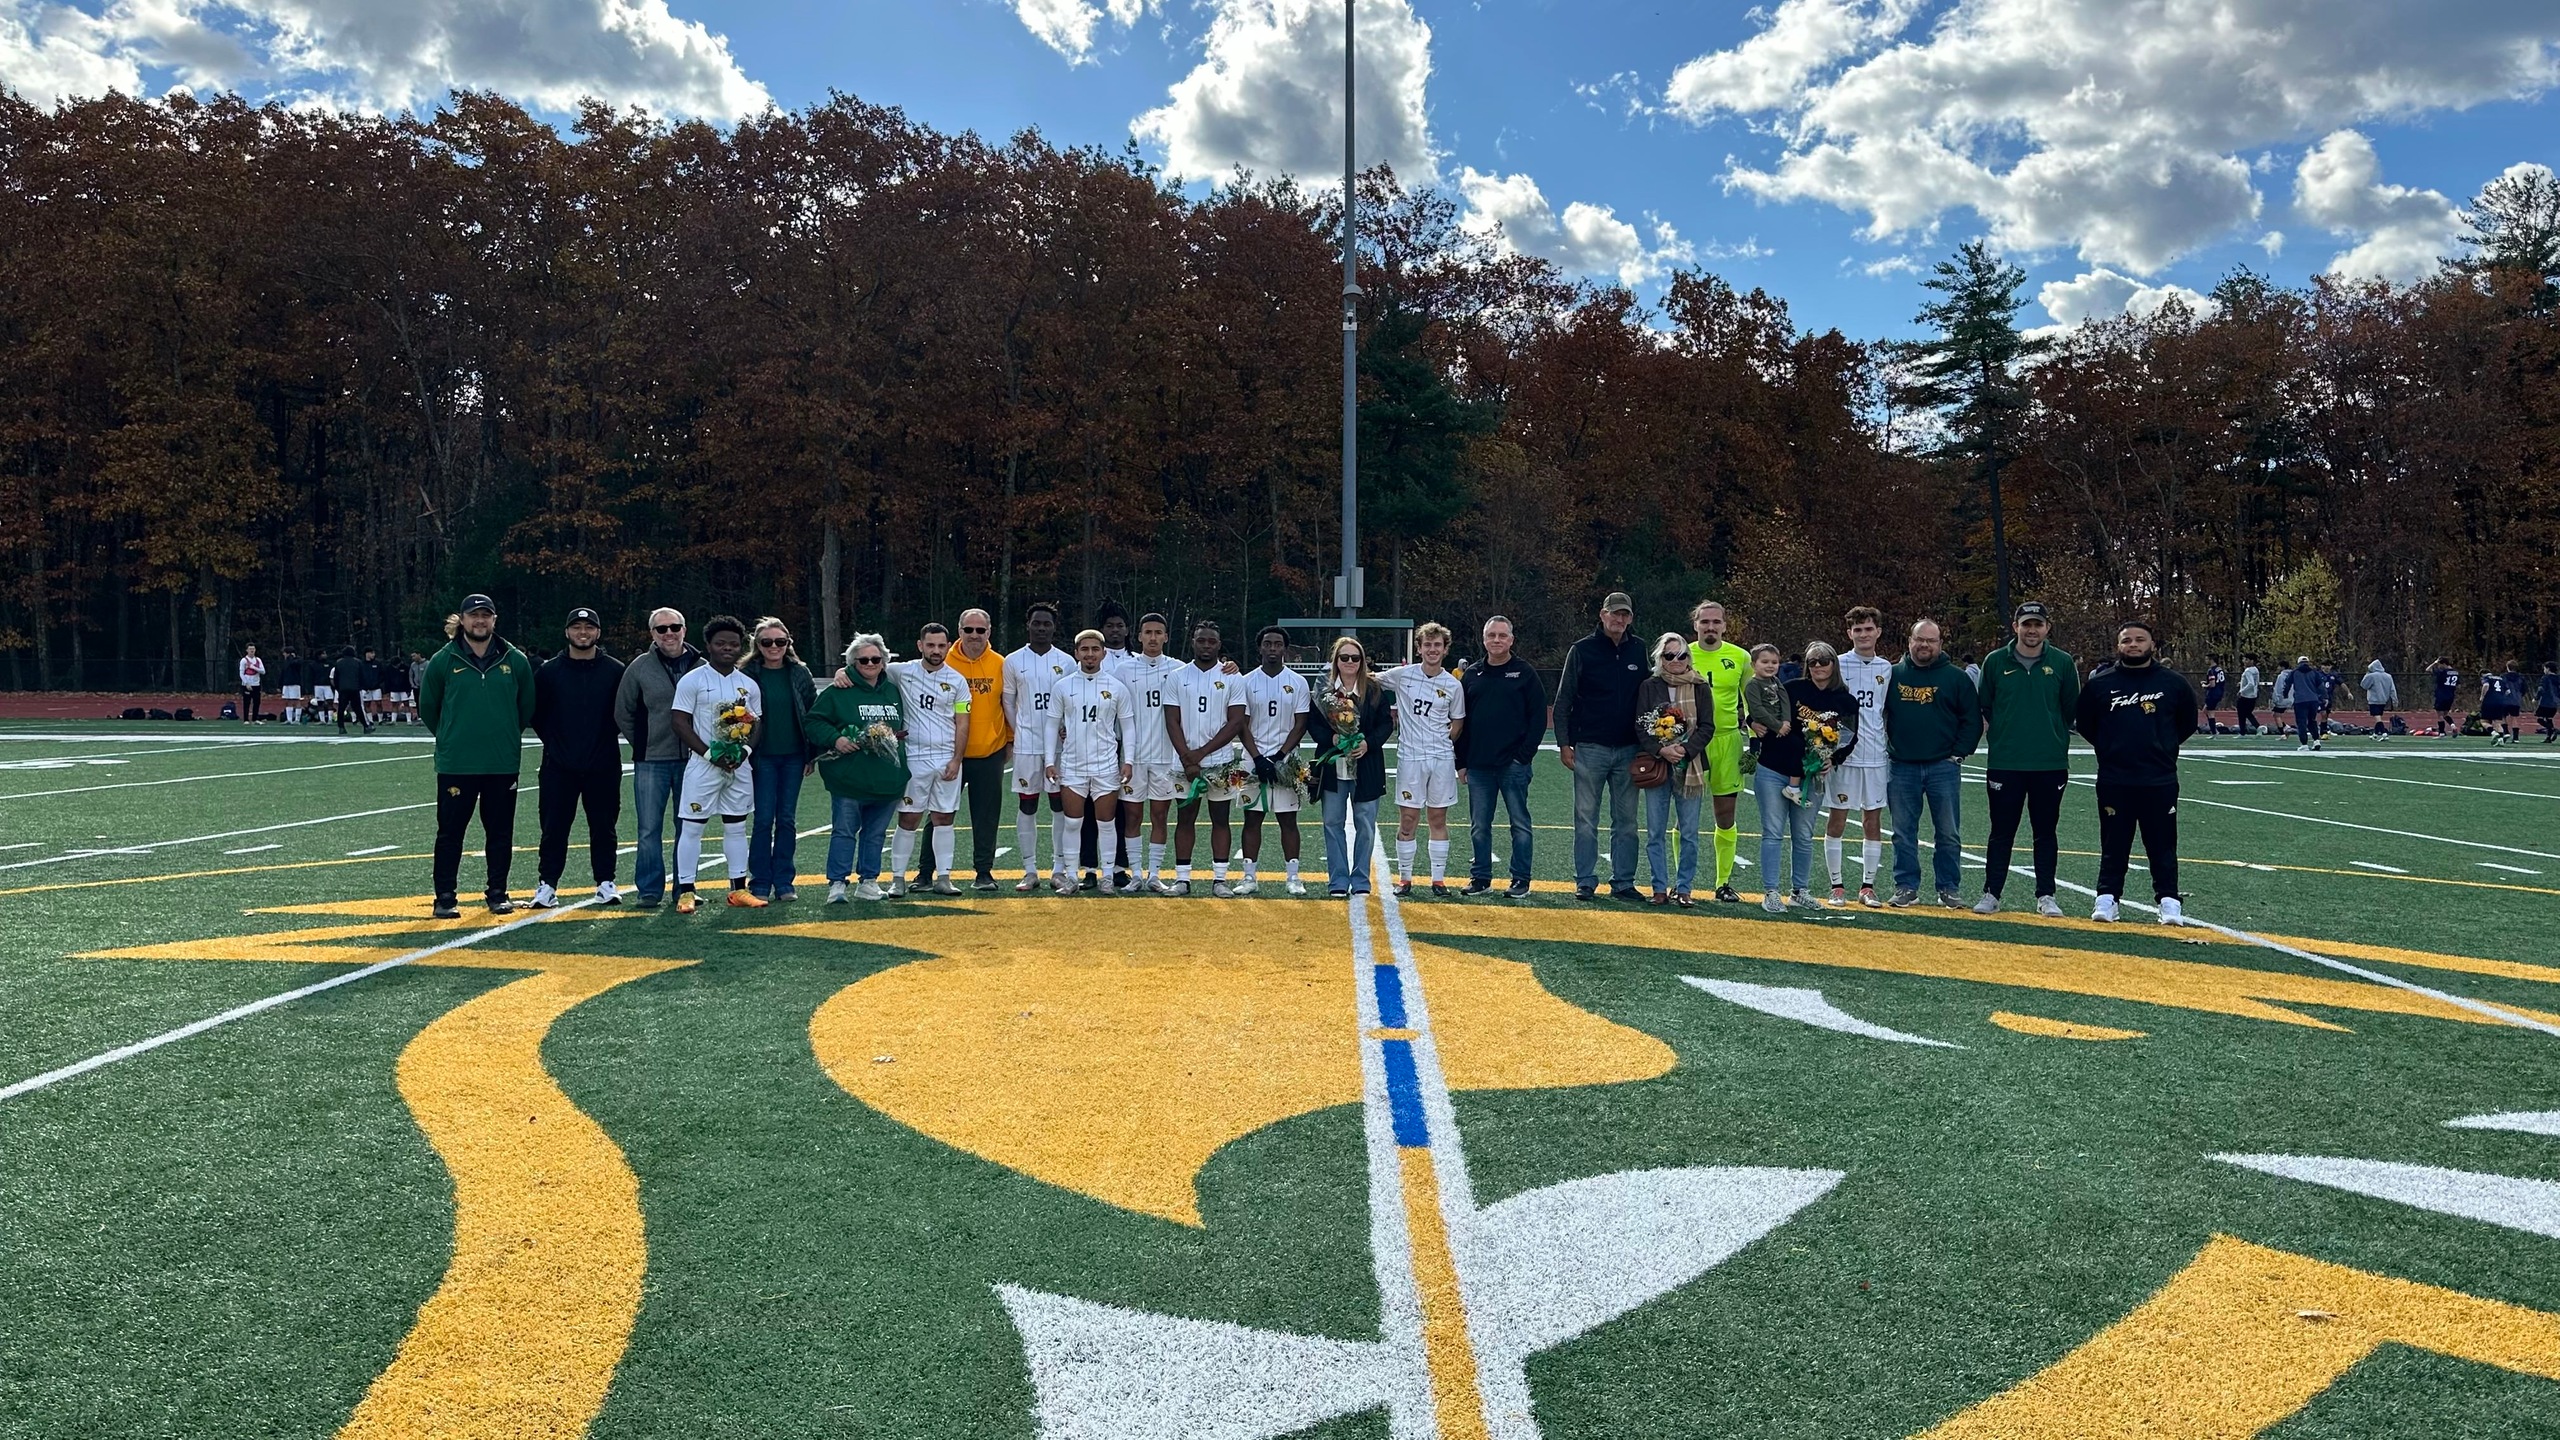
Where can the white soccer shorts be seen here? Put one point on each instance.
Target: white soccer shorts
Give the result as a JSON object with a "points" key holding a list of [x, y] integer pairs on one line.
{"points": [[711, 793], [927, 792], [293, 692], [1092, 784], [323, 692], [373, 695], [1272, 799], [1031, 775], [1423, 784], [1154, 782], [1857, 787]]}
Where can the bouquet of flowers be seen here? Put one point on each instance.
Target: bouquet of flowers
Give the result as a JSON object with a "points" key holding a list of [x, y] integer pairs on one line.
{"points": [[1664, 725], [1821, 741], [1222, 781], [729, 732], [1341, 710], [878, 739], [1296, 774]]}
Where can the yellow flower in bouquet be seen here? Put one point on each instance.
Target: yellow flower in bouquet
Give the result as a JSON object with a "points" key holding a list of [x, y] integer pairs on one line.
{"points": [[736, 721], [730, 727]]}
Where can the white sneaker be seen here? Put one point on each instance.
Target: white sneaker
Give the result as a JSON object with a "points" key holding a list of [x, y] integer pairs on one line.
{"points": [[1770, 902], [1989, 904], [545, 898], [835, 892], [606, 894], [2301, 749], [867, 890], [1162, 886], [2105, 909], [1297, 886], [1030, 881], [1245, 886], [942, 885], [897, 887], [1060, 883], [1221, 889], [2172, 913], [2048, 907]]}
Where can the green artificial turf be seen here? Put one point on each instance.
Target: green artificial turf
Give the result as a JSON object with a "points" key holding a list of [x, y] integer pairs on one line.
{"points": [[230, 1236]]}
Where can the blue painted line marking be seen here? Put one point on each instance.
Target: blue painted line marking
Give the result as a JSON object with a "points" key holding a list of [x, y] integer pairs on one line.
{"points": [[1390, 982], [1404, 1094]]}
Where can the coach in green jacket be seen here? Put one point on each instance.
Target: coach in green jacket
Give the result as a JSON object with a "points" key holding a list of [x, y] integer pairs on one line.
{"points": [[477, 698], [2028, 691]]}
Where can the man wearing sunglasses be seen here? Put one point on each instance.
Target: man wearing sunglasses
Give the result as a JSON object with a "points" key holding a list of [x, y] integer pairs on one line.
{"points": [[644, 709]]}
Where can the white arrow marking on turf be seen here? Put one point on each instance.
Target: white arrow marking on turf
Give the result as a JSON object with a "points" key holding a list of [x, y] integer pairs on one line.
{"points": [[2524, 1122], [2532, 1206], [1808, 1006]]}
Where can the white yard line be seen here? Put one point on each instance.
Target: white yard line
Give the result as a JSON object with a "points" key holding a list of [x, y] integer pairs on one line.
{"points": [[2510, 869], [2370, 865], [148, 848], [254, 849], [2334, 773], [223, 775], [203, 741], [2351, 825], [371, 850]]}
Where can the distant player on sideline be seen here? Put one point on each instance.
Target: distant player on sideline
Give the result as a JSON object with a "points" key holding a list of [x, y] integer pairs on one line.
{"points": [[2501, 701], [1859, 784], [937, 699], [1203, 715], [253, 680], [2447, 682], [2213, 687], [2244, 699], [1275, 720], [1432, 706], [1724, 666], [2380, 694], [373, 690], [2546, 702], [290, 672], [1155, 773], [1084, 748], [1030, 674], [712, 789]]}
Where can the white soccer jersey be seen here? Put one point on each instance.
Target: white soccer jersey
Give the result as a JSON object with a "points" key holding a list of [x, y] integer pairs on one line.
{"points": [[704, 690], [1272, 705], [1094, 714], [1150, 685], [1028, 679], [1869, 678], [1425, 706], [1205, 696], [932, 700]]}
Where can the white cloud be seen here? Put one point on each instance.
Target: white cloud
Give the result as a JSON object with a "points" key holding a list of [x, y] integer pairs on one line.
{"points": [[2402, 232], [1890, 266], [2102, 294], [1268, 94], [548, 53], [2115, 128], [2272, 242], [1512, 212], [1068, 26], [1766, 71]]}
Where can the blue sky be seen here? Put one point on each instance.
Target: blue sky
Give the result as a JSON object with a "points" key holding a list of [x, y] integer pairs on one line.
{"points": [[2122, 150]]}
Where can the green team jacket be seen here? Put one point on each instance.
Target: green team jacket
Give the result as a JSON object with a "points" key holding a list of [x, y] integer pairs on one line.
{"points": [[477, 707], [2029, 708], [849, 710]]}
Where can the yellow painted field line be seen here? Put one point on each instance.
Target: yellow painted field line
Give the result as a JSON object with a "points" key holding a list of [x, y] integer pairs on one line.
{"points": [[1456, 1400]]}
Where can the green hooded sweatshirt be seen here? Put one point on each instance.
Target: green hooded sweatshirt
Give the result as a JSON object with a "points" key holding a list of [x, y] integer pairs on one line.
{"points": [[849, 710], [478, 707], [2028, 708], [1931, 712]]}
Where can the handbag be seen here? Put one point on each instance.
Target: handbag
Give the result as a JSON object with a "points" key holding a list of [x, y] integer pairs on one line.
{"points": [[1649, 772]]}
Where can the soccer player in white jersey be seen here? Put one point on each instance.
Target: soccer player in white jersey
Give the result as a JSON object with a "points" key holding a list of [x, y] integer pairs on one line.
{"points": [[1030, 673], [727, 792], [937, 699], [1203, 715], [1275, 704], [1155, 770], [1431, 706], [1857, 784], [1087, 744]]}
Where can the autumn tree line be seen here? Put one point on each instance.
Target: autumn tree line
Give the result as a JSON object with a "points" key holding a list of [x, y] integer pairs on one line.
{"points": [[306, 377]]}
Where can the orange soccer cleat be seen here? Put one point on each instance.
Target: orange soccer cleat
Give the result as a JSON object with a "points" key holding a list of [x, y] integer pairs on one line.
{"points": [[686, 903], [741, 900]]}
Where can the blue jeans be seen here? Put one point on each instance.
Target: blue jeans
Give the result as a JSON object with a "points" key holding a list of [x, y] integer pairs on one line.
{"points": [[1348, 874], [1511, 782], [1783, 820], [853, 847], [654, 784], [1905, 786], [1594, 766], [1659, 803], [773, 846]]}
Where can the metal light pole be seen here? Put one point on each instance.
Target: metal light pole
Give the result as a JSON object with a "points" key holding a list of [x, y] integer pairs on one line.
{"points": [[1348, 587]]}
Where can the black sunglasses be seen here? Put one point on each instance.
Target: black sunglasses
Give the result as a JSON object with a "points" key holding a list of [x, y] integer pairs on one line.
{"points": [[973, 629], [775, 642], [675, 629], [869, 660]]}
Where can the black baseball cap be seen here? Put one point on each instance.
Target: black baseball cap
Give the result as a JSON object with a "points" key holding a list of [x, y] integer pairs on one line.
{"points": [[1616, 602], [585, 616], [2031, 610], [478, 602]]}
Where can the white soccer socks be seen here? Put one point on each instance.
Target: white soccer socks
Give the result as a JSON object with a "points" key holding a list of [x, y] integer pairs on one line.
{"points": [[902, 848], [1439, 861], [1404, 859], [1062, 846], [733, 845], [945, 839], [1870, 860], [1833, 857], [1026, 838], [688, 851]]}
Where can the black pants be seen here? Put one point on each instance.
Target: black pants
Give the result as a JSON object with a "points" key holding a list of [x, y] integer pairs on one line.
{"points": [[982, 781], [2248, 721], [564, 790], [494, 796], [2153, 809], [2037, 794], [249, 702]]}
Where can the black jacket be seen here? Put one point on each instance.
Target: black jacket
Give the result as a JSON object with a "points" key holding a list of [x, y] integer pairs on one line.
{"points": [[2136, 719], [573, 712], [1506, 713], [349, 677], [1785, 753], [1596, 696], [1377, 726]]}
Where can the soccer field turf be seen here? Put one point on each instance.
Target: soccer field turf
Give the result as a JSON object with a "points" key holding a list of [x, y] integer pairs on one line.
{"points": [[1155, 1168]]}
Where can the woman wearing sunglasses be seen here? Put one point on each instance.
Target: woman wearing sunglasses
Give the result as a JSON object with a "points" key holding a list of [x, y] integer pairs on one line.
{"points": [[1355, 798], [865, 776], [1675, 685], [1819, 695], [781, 763]]}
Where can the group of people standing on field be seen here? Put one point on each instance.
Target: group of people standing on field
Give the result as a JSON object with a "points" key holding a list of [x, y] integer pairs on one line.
{"points": [[2309, 695], [348, 687], [1126, 744]]}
